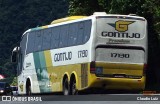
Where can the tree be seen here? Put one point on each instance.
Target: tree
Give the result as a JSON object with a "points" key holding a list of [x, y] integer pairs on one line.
{"points": [[84, 7], [17, 16]]}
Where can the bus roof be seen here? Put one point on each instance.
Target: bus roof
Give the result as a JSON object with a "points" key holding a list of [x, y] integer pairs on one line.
{"points": [[96, 14], [67, 19]]}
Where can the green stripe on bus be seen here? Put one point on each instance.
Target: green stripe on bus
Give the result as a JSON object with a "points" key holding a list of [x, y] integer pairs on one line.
{"points": [[36, 60], [42, 60], [41, 71]]}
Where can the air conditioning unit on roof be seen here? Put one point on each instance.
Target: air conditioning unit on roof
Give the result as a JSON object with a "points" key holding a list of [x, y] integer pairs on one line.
{"points": [[99, 13]]}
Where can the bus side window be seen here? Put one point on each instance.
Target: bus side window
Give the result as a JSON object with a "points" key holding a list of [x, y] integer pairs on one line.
{"points": [[22, 51], [31, 41], [63, 36], [55, 37], [38, 41], [72, 34], [46, 39], [80, 32], [87, 30]]}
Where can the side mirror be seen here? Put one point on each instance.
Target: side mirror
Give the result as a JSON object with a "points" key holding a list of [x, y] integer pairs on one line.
{"points": [[15, 55]]}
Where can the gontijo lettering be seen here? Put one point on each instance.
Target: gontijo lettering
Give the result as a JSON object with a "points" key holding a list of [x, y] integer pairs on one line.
{"points": [[120, 35], [121, 27], [64, 56]]}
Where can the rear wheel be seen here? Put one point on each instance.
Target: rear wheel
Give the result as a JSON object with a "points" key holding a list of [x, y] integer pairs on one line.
{"points": [[28, 90], [65, 87], [73, 88]]}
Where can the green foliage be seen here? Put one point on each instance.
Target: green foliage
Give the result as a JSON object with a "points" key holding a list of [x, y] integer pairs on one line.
{"points": [[16, 16], [83, 7], [11, 80]]}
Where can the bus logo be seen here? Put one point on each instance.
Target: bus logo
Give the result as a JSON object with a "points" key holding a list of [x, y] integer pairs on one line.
{"points": [[121, 25]]}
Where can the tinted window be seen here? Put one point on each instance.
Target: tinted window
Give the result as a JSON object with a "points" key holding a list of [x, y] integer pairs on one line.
{"points": [[55, 37], [23, 44], [63, 36], [80, 32], [72, 34], [22, 50], [38, 40], [31, 40], [46, 39], [87, 31], [60, 36]]}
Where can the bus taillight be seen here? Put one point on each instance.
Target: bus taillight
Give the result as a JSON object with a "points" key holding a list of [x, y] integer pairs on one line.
{"points": [[92, 67]]}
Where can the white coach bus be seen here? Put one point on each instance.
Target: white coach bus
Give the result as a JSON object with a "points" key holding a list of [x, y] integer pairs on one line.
{"points": [[80, 52]]}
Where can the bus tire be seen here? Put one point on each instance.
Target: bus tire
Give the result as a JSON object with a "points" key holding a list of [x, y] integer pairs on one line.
{"points": [[73, 89], [28, 88], [65, 87]]}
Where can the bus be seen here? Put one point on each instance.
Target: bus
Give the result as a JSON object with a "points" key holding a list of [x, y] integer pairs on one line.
{"points": [[77, 53]]}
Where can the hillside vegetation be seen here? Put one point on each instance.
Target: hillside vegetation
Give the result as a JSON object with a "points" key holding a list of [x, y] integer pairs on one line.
{"points": [[17, 16]]}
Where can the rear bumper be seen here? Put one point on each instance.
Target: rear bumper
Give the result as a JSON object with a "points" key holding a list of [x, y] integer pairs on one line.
{"points": [[118, 83]]}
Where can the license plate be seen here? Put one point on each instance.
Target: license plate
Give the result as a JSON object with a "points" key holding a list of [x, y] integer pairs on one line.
{"points": [[99, 70]]}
